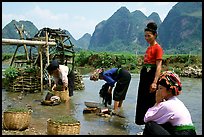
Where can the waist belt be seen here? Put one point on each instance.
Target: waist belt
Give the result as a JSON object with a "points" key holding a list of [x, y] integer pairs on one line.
{"points": [[149, 65], [119, 70], [117, 73], [184, 127]]}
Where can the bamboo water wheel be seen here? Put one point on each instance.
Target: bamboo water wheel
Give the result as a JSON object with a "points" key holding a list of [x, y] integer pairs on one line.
{"points": [[48, 44]]}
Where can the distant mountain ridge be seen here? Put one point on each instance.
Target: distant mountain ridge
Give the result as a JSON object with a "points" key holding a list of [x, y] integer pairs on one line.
{"points": [[123, 31], [179, 33], [9, 31], [181, 30]]}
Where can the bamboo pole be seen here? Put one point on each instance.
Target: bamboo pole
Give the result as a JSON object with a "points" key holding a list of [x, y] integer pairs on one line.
{"points": [[29, 42], [25, 48], [20, 31], [14, 55], [48, 58], [41, 69]]}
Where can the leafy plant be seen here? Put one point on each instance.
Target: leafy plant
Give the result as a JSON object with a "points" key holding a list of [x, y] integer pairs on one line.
{"points": [[11, 73], [30, 69], [6, 56]]}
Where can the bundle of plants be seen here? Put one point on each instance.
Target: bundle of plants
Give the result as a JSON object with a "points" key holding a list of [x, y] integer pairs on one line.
{"points": [[64, 119], [17, 109]]}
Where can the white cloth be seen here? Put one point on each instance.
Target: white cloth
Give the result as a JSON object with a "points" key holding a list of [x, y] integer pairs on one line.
{"points": [[173, 110], [55, 98]]}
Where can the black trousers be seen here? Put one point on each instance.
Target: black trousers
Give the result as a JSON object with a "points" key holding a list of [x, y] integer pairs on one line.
{"points": [[152, 128], [122, 85], [71, 79]]}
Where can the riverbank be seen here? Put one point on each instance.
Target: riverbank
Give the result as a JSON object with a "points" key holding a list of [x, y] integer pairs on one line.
{"points": [[193, 71], [185, 65]]}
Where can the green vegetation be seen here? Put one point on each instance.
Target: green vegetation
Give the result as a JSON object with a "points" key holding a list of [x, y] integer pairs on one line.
{"points": [[11, 73], [30, 69], [105, 60], [17, 109], [64, 119], [6, 56], [131, 62]]}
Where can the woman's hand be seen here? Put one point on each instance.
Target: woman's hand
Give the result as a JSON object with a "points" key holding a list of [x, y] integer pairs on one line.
{"points": [[110, 90], [159, 98], [63, 88], [153, 87], [54, 87]]}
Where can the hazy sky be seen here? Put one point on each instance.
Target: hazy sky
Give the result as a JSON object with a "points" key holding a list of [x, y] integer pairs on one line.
{"points": [[76, 17]]}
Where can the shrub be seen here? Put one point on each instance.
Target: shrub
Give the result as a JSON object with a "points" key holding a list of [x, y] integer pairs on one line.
{"points": [[11, 73]]}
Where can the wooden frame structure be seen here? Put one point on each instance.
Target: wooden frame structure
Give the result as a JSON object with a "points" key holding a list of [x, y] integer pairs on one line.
{"points": [[44, 44], [40, 44]]}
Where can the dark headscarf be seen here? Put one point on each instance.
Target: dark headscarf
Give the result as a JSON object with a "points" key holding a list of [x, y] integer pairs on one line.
{"points": [[52, 66]]}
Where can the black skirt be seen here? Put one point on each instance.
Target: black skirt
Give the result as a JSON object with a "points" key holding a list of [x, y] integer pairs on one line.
{"points": [[145, 99]]}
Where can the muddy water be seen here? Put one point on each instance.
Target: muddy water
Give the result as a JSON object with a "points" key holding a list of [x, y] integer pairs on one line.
{"points": [[92, 124]]}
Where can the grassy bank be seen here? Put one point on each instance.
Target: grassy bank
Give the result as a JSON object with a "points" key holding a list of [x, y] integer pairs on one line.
{"points": [[131, 62]]}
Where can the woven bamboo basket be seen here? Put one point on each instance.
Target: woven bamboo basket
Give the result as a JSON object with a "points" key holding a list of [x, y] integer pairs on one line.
{"points": [[16, 120], [64, 95], [55, 128], [26, 82]]}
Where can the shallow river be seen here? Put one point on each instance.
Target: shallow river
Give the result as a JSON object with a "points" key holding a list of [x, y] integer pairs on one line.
{"points": [[92, 124]]}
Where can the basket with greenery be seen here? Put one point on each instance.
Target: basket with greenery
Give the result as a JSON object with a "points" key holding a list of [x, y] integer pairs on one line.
{"points": [[16, 118], [63, 125]]}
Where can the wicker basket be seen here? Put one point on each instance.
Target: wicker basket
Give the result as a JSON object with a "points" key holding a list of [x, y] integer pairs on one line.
{"points": [[64, 95], [16, 120], [27, 82], [55, 128]]}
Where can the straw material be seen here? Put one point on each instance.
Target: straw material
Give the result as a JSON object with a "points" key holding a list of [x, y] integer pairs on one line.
{"points": [[16, 120], [55, 128], [64, 95]]}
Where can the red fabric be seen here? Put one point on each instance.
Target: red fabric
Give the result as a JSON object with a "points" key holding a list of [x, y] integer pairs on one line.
{"points": [[152, 54]]}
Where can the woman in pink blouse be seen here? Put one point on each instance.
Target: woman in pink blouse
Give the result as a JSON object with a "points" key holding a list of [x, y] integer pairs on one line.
{"points": [[61, 77], [169, 116]]}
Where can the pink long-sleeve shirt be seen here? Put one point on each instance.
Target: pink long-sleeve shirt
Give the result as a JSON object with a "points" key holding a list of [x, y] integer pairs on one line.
{"points": [[173, 110], [64, 70]]}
